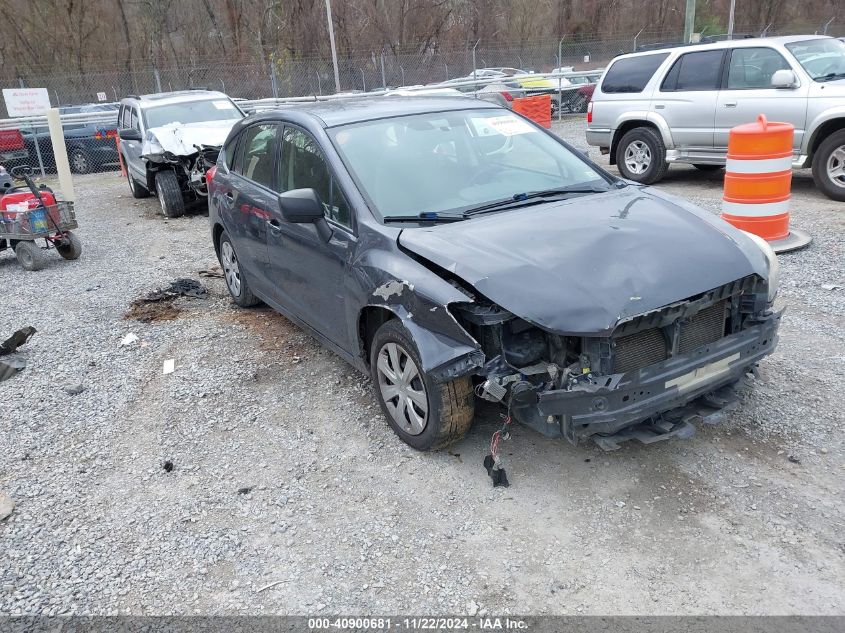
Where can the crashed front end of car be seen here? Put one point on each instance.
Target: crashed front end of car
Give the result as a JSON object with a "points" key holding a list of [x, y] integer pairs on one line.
{"points": [[189, 149], [649, 379]]}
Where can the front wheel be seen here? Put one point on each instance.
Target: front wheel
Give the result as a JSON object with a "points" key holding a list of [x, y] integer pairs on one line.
{"points": [[829, 166], [72, 248], [424, 414], [170, 194], [31, 256], [641, 156]]}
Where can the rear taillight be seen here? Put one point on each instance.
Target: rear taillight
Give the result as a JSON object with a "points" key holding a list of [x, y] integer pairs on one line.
{"points": [[11, 140], [508, 96], [590, 112], [209, 175]]}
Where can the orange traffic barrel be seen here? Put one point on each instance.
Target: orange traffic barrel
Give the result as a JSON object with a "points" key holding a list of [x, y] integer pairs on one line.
{"points": [[537, 108], [758, 180]]}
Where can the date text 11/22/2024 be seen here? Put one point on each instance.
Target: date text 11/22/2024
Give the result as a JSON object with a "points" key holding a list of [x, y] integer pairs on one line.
{"points": [[416, 624]]}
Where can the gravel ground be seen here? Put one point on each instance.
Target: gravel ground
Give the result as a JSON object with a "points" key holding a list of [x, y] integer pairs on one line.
{"points": [[283, 470]]}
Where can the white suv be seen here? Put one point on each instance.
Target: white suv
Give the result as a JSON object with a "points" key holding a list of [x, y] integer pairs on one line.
{"points": [[654, 108]]}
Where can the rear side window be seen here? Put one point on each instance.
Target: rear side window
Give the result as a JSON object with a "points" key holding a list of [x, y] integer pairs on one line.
{"points": [[255, 156], [631, 74], [695, 71], [753, 68]]}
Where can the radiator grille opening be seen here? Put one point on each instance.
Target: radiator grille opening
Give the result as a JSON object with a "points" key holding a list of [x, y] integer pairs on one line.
{"points": [[706, 327], [635, 351]]}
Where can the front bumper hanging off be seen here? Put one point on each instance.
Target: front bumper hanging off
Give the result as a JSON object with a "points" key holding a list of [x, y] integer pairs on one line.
{"points": [[658, 401]]}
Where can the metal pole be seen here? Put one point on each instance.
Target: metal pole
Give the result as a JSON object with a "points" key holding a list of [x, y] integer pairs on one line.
{"points": [[38, 151], [157, 78], [383, 82], [319, 84], [60, 153], [731, 20], [827, 24], [402, 70], [689, 21], [474, 67], [636, 37], [363, 81], [273, 85], [446, 66], [560, 52], [331, 41]]}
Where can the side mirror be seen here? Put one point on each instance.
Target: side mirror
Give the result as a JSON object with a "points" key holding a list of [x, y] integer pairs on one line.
{"points": [[129, 134], [300, 206], [784, 78]]}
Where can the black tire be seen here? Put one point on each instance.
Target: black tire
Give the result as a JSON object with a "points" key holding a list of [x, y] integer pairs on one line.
{"points": [[170, 193], [80, 161], [451, 405], [31, 256], [705, 168], [832, 149], [236, 282], [73, 248], [137, 191], [657, 166]]}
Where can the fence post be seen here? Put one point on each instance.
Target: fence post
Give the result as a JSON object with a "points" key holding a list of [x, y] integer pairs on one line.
{"points": [[363, 81], [319, 84], [157, 79], [383, 82], [273, 83]]}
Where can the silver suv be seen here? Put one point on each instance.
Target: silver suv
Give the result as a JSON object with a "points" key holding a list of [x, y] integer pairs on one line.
{"points": [[678, 105], [169, 140]]}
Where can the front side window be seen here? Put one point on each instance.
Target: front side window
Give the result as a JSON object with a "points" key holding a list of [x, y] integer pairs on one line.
{"points": [[823, 59], [304, 167], [256, 151], [453, 161], [631, 74], [753, 68], [694, 71], [134, 121]]}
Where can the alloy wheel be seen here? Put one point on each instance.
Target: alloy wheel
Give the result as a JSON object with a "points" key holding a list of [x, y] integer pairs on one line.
{"points": [[637, 157], [402, 388], [231, 269], [836, 166]]}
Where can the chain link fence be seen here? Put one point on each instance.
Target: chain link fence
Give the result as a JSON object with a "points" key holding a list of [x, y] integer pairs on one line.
{"points": [[91, 144]]}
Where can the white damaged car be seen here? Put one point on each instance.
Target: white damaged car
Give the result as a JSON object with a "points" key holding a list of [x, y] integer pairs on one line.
{"points": [[169, 140]]}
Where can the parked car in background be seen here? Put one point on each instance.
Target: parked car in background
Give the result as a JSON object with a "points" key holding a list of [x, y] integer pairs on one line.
{"points": [[91, 146], [13, 151], [499, 92], [679, 105], [449, 247], [169, 140]]}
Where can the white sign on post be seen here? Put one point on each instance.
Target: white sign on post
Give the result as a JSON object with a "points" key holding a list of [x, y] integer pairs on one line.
{"points": [[101, 96], [26, 101]]}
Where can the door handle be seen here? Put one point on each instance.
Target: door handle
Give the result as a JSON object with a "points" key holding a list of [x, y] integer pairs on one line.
{"points": [[275, 226], [730, 104], [659, 106], [229, 196]]}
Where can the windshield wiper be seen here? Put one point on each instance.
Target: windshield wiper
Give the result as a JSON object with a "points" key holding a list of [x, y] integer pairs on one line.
{"points": [[534, 197], [424, 217], [830, 76]]}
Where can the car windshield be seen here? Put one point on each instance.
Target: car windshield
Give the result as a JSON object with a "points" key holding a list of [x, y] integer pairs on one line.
{"points": [[191, 112], [823, 59], [450, 162]]}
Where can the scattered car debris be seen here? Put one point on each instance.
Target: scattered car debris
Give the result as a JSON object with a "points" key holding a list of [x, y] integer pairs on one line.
{"points": [[129, 339], [158, 304], [169, 366], [17, 339], [831, 286], [496, 472], [168, 466], [793, 458], [271, 585], [215, 272], [245, 490], [7, 505]]}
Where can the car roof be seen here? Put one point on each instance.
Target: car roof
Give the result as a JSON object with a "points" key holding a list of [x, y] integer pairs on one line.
{"points": [[356, 110], [737, 43], [177, 96]]}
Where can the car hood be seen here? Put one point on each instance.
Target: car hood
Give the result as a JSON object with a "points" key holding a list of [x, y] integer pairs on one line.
{"points": [[580, 266], [180, 138]]}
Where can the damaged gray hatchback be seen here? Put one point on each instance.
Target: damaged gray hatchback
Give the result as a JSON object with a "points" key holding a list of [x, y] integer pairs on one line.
{"points": [[455, 250]]}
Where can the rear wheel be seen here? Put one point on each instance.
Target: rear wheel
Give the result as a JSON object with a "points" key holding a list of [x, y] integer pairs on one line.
{"points": [[424, 414], [31, 256], [829, 166], [80, 161], [72, 249], [235, 280], [703, 167], [641, 156], [170, 194], [135, 189]]}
